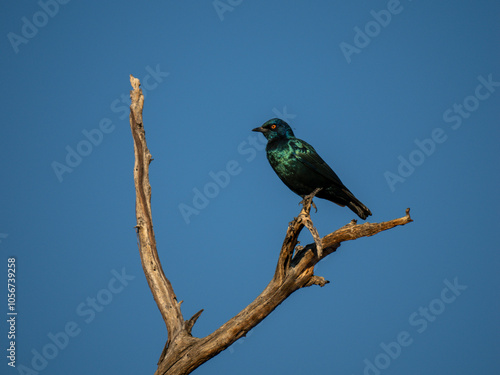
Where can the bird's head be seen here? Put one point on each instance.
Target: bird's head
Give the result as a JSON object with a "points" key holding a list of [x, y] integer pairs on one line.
{"points": [[275, 128]]}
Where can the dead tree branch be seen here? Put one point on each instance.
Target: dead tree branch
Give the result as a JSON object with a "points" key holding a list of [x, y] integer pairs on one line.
{"points": [[160, 286], [295, 269]]}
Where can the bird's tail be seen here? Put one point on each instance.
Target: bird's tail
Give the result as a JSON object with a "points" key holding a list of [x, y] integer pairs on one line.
{"points": [[357, 207]]}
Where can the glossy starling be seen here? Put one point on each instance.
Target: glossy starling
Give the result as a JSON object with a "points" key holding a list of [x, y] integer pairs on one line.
{"points": [[300, 167]]}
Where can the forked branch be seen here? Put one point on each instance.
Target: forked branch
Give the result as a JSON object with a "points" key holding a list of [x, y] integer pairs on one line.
{"points": [[295, 269]]}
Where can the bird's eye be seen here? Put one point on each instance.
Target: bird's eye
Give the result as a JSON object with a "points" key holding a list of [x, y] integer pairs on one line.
{"points": [[273, 126]]}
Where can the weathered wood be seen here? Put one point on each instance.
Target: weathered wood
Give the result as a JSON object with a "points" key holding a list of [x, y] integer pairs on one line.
{"points": [[295, 268], [160, 286]]}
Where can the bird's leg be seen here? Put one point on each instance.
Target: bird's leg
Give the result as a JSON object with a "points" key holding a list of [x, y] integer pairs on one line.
{"points": [[304, 201], [308, 199]]}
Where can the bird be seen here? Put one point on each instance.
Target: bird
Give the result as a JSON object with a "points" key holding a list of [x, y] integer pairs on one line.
{"points": [[300, 167]]}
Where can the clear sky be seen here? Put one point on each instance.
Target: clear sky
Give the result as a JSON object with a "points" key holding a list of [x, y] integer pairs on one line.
{"points": [[401, 98]]}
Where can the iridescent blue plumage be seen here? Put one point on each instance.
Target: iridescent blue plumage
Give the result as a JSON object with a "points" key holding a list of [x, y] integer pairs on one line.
{"points": [[300, 167]]}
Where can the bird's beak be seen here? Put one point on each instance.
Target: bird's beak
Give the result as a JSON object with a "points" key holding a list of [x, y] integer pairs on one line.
{"points": [[260, 130]]}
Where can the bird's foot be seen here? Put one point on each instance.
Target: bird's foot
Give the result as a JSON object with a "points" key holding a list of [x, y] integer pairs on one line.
{"points": [[308, 199], [305, 201]]}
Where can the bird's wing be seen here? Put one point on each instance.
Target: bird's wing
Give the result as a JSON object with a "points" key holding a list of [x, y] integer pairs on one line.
{"points": [[307, 155]]}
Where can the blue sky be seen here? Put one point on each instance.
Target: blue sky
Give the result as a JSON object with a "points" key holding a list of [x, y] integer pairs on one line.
{"points": [[400, 98]]}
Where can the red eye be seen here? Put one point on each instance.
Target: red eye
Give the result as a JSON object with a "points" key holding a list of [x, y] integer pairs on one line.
{"points": [[273, 126]]}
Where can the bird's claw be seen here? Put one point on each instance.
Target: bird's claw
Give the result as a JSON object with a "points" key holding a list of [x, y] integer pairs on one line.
{"points": [[305, 199]]}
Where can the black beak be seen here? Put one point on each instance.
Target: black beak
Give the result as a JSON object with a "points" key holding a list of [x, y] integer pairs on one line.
{"points": [[260, 130]]}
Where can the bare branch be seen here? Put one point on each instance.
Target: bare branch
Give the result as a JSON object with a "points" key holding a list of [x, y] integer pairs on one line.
{"points": [[292, 235], [306, 218], [354, 231], [190, 323], [297, 273], [317, 280], [160, 286]]}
